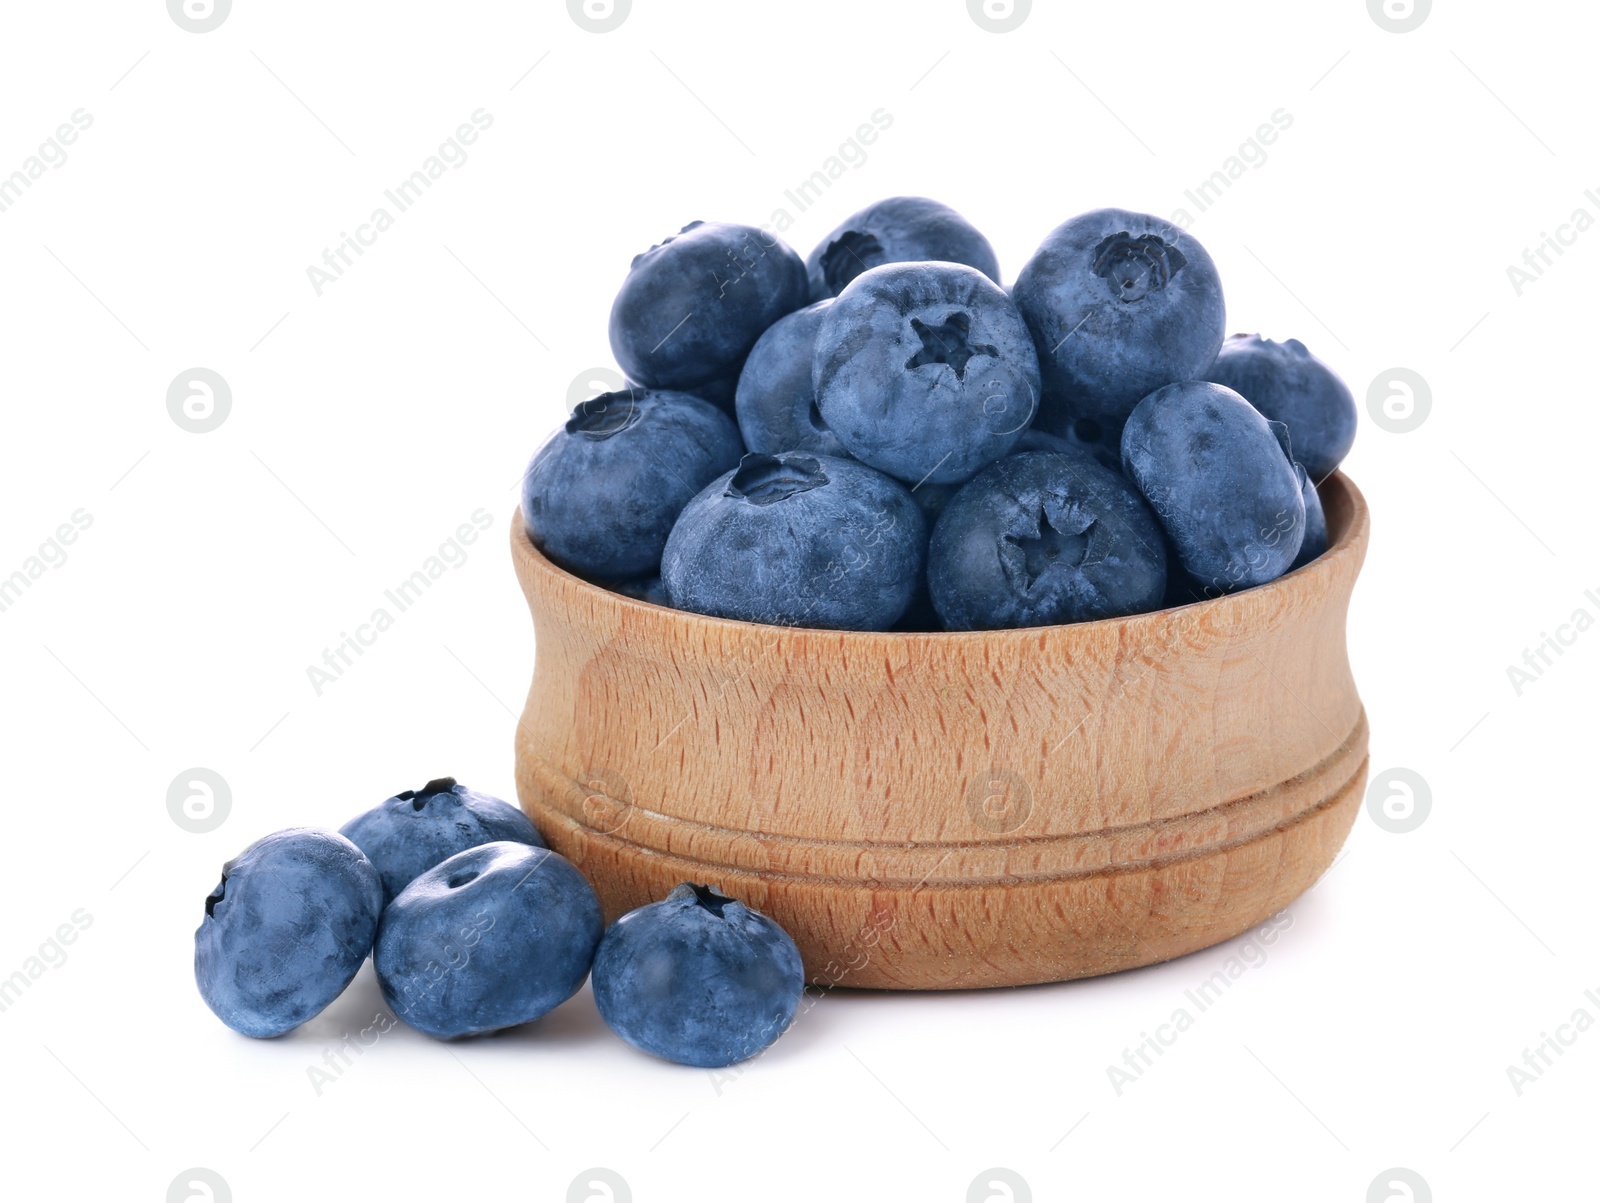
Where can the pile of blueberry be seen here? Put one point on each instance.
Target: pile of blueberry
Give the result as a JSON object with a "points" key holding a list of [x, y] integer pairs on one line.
{"points": [[882, 437], [473, 926]]}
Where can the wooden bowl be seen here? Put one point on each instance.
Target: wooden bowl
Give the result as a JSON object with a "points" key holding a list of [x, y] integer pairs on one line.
{"points": [[929, 811]]}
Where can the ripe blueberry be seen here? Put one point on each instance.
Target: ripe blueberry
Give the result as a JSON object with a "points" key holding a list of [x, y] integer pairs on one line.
{"points": [[1041, 538], [1221, 483], [798, 540], [600, 497], [698, 978], [410, 833], [286, 929], [901, 229], [926, 371], [693, 305], [1119, 304]]}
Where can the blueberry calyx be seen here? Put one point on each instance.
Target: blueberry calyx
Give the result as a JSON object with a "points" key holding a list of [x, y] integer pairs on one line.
{"points": [[1280, 431], [766, 479], [706, 897], [605, 415], [217, 894], [457, 880], [1136, 267], [847, 256], [1051, 547], [948, 343], [642, 254], [419, 798]]}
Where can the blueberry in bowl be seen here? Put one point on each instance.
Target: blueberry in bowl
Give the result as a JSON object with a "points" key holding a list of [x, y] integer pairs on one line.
{"points": [[1080, 437], [406, 835], [1221, 482], [693, 305], [645, 589], [493, 937], [1316, 538], [1289, 384], [1119, 304], [901, 229], [285, 930], [601, 495], [776, 402], [798, 540], [1043, 538], [697, 978], [926, 371]]}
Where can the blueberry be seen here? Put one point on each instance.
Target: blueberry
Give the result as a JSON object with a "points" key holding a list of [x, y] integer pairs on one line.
{"points": [[1316, 540], [1119, 304], [1221, 483], [285, 930], [776, 403], [1041, 538], [600, 497], [722, 391], [1289, 384], [693, 305], [493, 937], [920, 616], [902, 229], [410, 833], [645, 589], [697, 978], [926, 371], [931, 499], [798, 540], [1075, 440]]}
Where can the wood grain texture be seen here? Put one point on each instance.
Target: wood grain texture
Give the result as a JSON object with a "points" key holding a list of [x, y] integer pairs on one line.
{"points": [[958, 809]]}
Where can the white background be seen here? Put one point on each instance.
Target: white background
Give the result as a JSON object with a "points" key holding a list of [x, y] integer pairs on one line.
{"points": [[369, 422]]}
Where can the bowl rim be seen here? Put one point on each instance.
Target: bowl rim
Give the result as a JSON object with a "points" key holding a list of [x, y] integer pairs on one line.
{"points": [[1341, 500]]}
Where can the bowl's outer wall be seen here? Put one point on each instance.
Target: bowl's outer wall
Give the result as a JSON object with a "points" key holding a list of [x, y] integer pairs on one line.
{"points": [[926, 811]]}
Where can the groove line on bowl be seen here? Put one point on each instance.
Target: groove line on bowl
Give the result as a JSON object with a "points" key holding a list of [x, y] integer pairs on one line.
{"points": [[724, 868], [1079, 854]]}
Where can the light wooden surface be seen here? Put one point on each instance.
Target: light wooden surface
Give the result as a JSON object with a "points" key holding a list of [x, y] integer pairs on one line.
{"points": [[956, 810]]}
